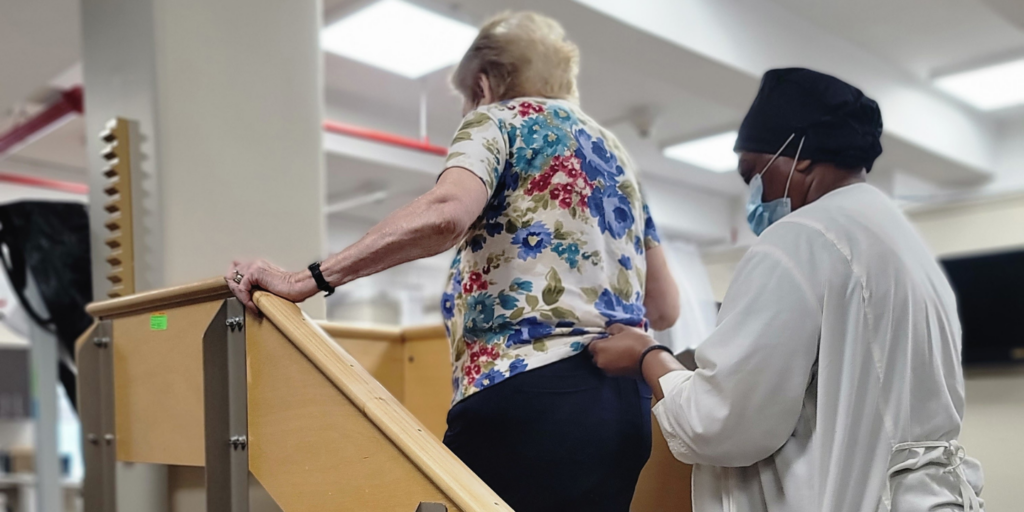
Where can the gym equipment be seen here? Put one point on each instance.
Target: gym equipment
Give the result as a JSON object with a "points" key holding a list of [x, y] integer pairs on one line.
{"points": [[118, 154], [184, 377], [324, 416]]}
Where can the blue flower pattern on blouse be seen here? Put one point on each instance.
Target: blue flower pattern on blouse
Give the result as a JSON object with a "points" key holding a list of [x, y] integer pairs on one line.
{"points": [[557, 253], [532, 240]]}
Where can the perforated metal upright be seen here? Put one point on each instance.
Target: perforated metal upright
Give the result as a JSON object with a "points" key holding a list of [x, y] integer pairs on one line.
{"points": [[96, 409], [227, 449]]}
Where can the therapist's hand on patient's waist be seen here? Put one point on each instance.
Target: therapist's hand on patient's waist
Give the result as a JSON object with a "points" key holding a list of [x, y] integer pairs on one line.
{"points": [[263, 275], [619, 353]]}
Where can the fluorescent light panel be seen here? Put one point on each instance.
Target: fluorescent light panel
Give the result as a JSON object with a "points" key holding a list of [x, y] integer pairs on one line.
{"points": [[987, 88], [714, 153], [399, 37]]}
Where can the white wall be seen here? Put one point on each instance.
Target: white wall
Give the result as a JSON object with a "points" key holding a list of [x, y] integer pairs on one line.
{"points": [[994, 420], [1010, 157], [973, 227], [992, 433]]}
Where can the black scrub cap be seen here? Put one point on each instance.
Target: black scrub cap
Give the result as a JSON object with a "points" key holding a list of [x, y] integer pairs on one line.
{"points": [[841, 125]]}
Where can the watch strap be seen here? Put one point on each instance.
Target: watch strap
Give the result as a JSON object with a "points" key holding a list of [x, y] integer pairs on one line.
{"points": [[646, 352], [318, 277]]}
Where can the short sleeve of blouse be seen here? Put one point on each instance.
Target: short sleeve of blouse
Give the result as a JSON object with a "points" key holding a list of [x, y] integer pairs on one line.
{"points": [[651, 238], [481, 146]]}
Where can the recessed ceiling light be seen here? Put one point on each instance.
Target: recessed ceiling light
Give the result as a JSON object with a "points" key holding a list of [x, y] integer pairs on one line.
{"points": [[987, 88], [400, 37], [714, 153]]}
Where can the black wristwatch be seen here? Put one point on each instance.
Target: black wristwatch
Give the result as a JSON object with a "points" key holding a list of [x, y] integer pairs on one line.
{"points": [[318, 276]]}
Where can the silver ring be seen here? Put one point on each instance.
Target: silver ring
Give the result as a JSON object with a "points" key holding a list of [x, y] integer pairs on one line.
{"points": [[238, 277]]}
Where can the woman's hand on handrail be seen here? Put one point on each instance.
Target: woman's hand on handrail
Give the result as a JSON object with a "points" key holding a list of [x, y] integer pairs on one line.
{"points": [[261, 274]]}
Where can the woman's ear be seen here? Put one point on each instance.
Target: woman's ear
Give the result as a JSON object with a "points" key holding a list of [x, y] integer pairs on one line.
{"points": [[803, 166], [484, 85]]}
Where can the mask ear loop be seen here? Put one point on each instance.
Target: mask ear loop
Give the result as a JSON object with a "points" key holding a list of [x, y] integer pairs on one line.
{"points": [[792, 169], [776, 155]]}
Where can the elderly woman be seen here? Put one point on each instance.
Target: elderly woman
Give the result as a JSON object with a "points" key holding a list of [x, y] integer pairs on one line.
{"points": [[555, 244]]}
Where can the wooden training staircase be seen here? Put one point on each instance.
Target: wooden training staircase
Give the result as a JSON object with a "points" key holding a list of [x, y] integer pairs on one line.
{"points": [[281, 412]]}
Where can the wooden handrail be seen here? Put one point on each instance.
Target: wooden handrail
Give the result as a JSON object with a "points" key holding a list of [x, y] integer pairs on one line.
{"points": [[361, 332], [450, 475], [383, 332], [423, 332], [178, 295]]}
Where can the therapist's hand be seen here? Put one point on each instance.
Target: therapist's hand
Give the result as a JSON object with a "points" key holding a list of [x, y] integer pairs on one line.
{"points": [[619, 353], [261, 274]]}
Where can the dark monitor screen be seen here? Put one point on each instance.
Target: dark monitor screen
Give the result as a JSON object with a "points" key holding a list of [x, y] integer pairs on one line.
{"points": [[990, 296]]}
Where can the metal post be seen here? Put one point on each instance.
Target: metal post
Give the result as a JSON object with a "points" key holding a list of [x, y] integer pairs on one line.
{"points": [[227, 451], [44, 359], [96, 410]]}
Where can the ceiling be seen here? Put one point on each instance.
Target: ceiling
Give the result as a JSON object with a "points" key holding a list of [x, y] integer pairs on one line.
{"points": [[920, 36], [628, 77]]}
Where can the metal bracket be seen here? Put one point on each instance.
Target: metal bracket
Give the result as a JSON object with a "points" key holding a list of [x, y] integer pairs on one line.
{"points": [[96, 409], [239, 442], [225, 396], [431, 507], [235, 323]]}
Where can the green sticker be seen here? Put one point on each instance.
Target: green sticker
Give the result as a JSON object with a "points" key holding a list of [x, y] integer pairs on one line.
{"points": [[158, 322]]}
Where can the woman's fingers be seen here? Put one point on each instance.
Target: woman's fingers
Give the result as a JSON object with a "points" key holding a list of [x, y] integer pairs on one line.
{"points": [[617, 329], [229, 276], [257, 274], [242, 289], [596, 349], [244, 294]]}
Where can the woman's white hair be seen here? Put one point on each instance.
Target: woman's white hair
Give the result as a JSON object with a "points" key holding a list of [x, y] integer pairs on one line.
{"points": [[522, 54]]}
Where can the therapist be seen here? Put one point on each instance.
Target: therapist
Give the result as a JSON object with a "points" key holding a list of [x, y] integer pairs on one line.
{"points": [[833, 379]]}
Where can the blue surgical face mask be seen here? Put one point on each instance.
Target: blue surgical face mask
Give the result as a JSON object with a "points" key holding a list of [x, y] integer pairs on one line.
{"points": [[760, 215]]}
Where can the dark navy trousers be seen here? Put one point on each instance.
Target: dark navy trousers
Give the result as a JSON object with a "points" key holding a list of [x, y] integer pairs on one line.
{"points": [[562, 437]]}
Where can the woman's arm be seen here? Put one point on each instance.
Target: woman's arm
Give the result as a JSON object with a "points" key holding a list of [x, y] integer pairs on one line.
{"points": [[429, 225], [661, 296]]}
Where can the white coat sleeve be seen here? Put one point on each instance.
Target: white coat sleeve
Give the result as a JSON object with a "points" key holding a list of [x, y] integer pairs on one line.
{"points": [[743, 402]]}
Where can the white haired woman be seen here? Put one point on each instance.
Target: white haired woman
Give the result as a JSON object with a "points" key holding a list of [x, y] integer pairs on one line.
{"points": [[555, 245]]}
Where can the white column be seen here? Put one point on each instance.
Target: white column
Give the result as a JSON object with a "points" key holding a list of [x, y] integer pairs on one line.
{"points": [[227, 96], [228, 99]]}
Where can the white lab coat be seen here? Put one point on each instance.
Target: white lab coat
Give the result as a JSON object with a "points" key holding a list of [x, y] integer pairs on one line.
{"points": [[837, 343]]}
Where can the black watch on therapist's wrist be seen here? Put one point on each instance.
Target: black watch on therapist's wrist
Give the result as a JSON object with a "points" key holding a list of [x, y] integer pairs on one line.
{"points": [[647, 351], [318, 276]]}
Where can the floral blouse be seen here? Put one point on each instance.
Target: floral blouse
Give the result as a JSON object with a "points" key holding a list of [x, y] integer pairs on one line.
{"points": [[557, 254]]}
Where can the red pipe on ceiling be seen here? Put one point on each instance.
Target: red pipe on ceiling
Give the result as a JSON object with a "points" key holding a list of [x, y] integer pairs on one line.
{"points": [[71, 103], [384, 137], [32, 181]]}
